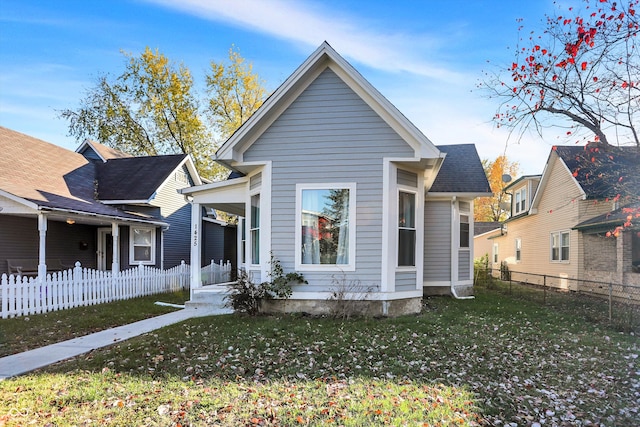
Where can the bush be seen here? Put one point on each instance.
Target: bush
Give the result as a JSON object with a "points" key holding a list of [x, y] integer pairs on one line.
{"points": [[481, 272], [247, 296]]}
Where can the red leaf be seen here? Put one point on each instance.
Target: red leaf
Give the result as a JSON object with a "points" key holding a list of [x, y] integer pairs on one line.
{"points": [[575, 173], [584, 65], [595, 79]]}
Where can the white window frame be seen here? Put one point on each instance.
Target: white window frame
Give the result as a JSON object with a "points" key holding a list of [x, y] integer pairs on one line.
{"points": [[495, 257], [351, 266], [518, 245], [558, 235], [250, 229], [468, 222], [408, 190], [132, 260], [520, 200]]}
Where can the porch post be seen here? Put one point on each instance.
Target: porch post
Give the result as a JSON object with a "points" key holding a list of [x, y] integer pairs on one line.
{"points": [[115, 249], [42, 249], [196, 221]]}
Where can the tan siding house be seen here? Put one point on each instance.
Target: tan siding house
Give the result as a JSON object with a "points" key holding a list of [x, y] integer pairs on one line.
{"points": [[558, 225]]}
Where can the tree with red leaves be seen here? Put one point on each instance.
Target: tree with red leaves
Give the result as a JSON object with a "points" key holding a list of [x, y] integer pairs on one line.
{"points": [[582, 71]]}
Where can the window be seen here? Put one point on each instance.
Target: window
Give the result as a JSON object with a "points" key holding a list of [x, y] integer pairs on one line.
{"points": [[325, 226], [495, 253], [243, 240], [464, 231], [521, 200], [406, 229], [560, 246], [518, 249], [254, 230], [142, 243]]}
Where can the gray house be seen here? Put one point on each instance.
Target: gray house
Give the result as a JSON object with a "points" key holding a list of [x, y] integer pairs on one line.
{"points": [[104, 208], [334, 182]]}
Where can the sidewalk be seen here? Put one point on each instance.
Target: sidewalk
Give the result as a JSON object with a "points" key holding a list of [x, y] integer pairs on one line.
{"points": [[21, 363]]}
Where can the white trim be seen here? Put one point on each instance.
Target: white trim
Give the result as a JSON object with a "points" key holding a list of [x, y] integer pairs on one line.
{"points": [[132, 260], [559, 260], [18, 200], [351, 266], [437, 284], [389, 179]]}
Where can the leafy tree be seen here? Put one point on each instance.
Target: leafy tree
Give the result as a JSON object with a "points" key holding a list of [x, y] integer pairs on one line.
{"points": [[235, 92], [583, 69], [493, 208], [152, 108]]}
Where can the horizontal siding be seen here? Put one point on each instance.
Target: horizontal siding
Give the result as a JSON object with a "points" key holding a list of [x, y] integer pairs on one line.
{"points": [[407, 178], [19, 238], [464, 260], [177, 212], [406, 281], [560, 208], [329, 135], [437, 241]]}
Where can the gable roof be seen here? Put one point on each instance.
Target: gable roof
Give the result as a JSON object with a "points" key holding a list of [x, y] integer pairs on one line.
{"points": [[135, 178], [45, 176], [100, 151], [324, 57], [603, 172], [482, 227], [461, 172], [42, 175]]}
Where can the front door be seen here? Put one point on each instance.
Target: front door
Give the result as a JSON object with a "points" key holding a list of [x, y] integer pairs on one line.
{"points": [[105, 249]]}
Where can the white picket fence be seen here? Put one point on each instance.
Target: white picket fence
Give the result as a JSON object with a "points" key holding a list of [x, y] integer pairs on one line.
{"points": [[82, 286], [216, 273]]}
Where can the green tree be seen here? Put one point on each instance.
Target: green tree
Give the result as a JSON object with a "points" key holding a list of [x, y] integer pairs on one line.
{"points": [[235, 92], [152, 108]]}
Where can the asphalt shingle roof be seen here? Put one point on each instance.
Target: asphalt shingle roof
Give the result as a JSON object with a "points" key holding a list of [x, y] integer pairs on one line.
{"points": [[461, 171], [134, 178], [604, 173], [53, 177]]}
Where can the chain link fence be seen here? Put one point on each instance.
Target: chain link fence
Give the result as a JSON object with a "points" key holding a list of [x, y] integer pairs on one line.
{"points": [[617, 305]]}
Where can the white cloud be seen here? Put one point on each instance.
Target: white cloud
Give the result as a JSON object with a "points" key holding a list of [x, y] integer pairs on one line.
{"points": [[308, 24]]}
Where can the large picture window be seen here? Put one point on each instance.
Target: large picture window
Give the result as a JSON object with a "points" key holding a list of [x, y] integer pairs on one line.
{"points": [[406, 229], [142, 243], [560, 246], [325, 226]]}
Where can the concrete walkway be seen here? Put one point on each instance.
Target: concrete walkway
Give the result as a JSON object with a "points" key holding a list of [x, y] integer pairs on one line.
{"points": [[21, 363]]}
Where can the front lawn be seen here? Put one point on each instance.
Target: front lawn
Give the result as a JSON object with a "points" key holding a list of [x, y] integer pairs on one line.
{"points": [[489, 361]]}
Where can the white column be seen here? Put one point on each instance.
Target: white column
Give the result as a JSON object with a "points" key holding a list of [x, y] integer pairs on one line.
{"points": [[196, 222], [115, 249], [42, 249]]}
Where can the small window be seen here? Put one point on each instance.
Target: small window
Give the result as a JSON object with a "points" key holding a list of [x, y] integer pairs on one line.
{"points": [[560, 243], [495, 253], [518, 249], [254, 231], [142, 243], [325, 226], [243, 240], [521, 200], [406, 229], [464, 231]]}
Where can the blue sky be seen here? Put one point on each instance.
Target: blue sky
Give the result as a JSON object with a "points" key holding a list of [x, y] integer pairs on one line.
{"points": [[426, 56]]}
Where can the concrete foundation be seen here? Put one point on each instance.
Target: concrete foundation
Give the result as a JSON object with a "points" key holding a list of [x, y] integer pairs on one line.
{"points": [[346, 308]]}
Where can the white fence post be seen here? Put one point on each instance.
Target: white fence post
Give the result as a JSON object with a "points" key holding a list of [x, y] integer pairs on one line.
{"points": [[21, 295]]}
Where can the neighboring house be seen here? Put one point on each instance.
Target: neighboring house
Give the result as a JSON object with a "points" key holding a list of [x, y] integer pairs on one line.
{"points": [[334, 182], [563, 221], [483, 232], [99, 206]]}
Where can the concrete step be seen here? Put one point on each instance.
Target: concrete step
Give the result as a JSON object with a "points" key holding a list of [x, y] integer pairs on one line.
{"points": [[209, 297]]}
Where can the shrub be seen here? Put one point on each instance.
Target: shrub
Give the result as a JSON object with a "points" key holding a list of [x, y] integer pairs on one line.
{"points": [[247, 296]]}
